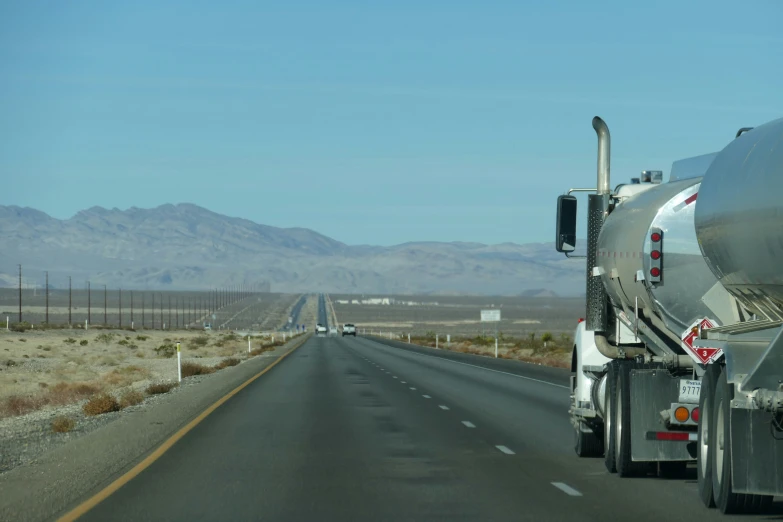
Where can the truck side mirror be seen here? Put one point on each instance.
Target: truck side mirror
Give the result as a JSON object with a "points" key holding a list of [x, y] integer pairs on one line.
{"points": [[565, 239]]}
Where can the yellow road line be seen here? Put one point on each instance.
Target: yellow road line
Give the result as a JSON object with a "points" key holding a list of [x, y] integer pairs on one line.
{"points": [[103, 494]]}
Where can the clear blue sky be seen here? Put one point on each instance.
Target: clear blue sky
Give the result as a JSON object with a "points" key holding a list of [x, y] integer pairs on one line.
{"points": [[371, 122]]}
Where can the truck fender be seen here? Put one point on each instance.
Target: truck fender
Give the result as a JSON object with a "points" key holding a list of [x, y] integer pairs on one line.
{"points": [[586, 354]]}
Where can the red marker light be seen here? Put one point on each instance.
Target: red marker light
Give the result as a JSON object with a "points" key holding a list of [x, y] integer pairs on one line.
{"points": [[655, 254], [655, 271], [695, 415], [581, 320], [655, 237]]}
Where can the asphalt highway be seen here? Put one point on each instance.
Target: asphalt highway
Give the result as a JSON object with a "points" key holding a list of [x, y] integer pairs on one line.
{"points": [[355, 429]]}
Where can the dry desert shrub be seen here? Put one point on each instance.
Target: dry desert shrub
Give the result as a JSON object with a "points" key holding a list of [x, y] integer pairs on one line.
{"points": [[163, 387], [63, 424], [259, 351], [68, 392], [131, 398], [190, 369], [125, 376], [101, 404], [198, 342], [20, 404], [225, 363]]}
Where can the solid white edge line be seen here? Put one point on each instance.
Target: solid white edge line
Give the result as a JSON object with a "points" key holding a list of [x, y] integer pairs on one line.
{"points": [[505, 450], [483, 368], [468, 424], [442, 407], [565, 488]]}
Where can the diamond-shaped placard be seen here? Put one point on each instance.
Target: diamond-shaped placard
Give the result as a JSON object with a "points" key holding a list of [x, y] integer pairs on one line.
{"points": [[700, 355]]}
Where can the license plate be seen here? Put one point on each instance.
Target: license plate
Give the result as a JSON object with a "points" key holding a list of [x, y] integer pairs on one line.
{"points": [[689, 391]]}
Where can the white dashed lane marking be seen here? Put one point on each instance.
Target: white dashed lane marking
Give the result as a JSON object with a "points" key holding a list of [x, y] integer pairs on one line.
{"points": [[565, 488], [505, 450], [469, 424], [442, 407]]}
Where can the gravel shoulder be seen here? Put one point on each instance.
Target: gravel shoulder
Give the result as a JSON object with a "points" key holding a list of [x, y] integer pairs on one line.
{"points": [[60, 470]]}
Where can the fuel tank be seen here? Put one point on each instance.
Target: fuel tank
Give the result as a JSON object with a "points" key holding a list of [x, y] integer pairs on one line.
{"points": [[739, 218], [624, 252]]}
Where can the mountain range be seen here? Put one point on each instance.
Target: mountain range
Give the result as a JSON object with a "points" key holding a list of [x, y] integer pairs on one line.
{"points": [[187, 247]]}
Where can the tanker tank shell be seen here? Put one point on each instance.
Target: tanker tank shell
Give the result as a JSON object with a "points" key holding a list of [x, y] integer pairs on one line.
{"points": [[624, 248], [739, 218]]}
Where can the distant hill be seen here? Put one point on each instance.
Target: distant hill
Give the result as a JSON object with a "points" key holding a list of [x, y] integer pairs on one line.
{"points": [[188, 247]]}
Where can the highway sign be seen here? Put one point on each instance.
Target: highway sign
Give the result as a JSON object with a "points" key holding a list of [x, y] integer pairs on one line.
{"points": [[490, 316], [700, 355]]}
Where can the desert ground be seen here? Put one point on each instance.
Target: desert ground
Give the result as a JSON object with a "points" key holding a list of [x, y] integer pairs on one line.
{"points": [[50, 367], [40, 369], [533, 329]]}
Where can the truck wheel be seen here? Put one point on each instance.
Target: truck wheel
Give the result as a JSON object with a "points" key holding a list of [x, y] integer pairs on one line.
{"points": [[720, 454], [626, 467], [703, 460], [610, 460], [588, 443]]}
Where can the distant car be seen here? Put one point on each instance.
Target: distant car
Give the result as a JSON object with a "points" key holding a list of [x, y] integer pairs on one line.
{"points": [[349, 329], [207, 326], [320, 329], [332, 330]]}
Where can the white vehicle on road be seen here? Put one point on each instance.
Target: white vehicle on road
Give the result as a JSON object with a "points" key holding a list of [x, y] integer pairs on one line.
{"points": [[320, 329], [349, 329]]}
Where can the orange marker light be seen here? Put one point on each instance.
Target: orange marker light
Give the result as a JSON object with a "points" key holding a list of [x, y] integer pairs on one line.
{"points": [[682, 414]]}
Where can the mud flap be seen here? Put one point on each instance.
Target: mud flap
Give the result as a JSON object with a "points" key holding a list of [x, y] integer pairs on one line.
{"points": [[652, 391]]}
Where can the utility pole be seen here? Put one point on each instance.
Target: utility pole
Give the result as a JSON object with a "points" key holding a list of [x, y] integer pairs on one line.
{"points": [[132, 325], [169, 312], [176, 310], [142, 310], [153, 310], [47, 298], [20, 293], [120, 308], [70, 299], [105, 302], [162, 323], [89, 304]]}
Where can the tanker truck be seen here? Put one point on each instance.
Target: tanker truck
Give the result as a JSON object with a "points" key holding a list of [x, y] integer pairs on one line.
{"points": [[679, 357]]}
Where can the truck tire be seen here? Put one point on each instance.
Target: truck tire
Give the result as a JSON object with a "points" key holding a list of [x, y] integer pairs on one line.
{"points": [[626, 467], [610, 460], [725, 499], [588, 443], [703, 460]]}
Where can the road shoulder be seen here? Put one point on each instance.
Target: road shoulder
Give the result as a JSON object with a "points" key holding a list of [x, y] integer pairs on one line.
{"points": [[69, 473]]}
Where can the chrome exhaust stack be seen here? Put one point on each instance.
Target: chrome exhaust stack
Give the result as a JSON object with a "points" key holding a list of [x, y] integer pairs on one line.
{"points": [[604, 156], [597, 316]]}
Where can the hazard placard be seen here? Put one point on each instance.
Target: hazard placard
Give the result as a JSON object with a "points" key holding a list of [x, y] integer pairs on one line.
{"points": [[700, 355]]}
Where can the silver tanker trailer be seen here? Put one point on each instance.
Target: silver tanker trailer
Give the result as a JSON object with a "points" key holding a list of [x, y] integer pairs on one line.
{"points": [[680, 356]]}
